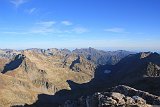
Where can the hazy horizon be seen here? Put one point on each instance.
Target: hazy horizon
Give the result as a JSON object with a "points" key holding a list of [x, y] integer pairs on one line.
{"points": [[131, 25], [102, 48]]}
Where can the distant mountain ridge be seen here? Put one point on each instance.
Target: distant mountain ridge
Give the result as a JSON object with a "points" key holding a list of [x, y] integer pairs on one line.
{"points": [[100, 57]]}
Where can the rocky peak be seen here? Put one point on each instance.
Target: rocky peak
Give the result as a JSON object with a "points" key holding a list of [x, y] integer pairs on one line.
{"points": [[153, 70], [144, 54]]}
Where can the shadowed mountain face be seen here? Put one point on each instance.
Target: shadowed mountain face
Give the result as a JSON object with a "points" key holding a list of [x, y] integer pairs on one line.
{"points": [[74, 62], [138, 70], [14, 63]]}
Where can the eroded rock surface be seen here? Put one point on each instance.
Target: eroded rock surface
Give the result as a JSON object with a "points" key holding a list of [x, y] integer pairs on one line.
{"points": [[119, 96]]}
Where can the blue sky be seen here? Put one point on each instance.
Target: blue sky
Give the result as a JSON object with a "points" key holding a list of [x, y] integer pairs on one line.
{"points": [[109, 24]]}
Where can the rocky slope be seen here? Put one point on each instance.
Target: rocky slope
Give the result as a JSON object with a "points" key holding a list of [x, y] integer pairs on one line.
{"points": [[27, 73], [119, 96]]}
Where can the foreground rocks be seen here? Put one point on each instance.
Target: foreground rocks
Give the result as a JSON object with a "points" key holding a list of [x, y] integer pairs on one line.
{"points": [[119, 96]]}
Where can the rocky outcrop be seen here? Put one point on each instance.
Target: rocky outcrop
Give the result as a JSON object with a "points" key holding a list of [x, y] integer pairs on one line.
{"points": [[153, 70], [119, 96], [128, 91], [145, 54]]}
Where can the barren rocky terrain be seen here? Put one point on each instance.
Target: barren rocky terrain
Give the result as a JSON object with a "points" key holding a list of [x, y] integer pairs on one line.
{"points": [[27, 73], [60, 77]]}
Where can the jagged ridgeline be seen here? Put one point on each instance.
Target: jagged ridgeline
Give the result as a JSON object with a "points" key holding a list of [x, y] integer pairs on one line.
{"points": [[25, 74]]}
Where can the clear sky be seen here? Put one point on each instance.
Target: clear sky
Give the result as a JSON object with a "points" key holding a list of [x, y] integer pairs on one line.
{"points": [[110, 24]]}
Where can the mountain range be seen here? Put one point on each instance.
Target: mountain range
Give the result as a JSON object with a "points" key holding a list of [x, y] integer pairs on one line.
{"points": [[50, 77]]}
